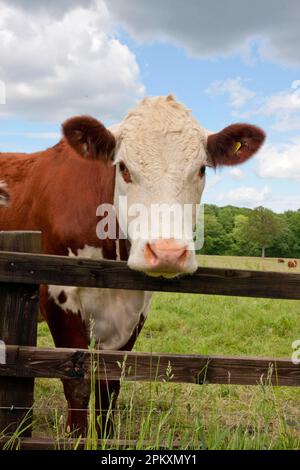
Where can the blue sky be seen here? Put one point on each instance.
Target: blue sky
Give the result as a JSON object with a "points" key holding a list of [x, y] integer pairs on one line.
{"points": [[102, 56]]}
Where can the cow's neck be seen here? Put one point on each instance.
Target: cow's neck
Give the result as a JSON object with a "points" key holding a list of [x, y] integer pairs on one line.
{"points": [[85, 185]]}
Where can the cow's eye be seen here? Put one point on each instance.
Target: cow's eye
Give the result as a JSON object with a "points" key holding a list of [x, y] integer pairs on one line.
{"points": [[125, 172], [202, 171]]}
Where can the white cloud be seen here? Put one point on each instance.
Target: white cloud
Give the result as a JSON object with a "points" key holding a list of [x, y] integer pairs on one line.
{"points": [[283, 203], [280, 161], [238, 93], [295, 84], [284, 107], [206, 28], [2, 92], [66, 64], [209, 28], [236, 173], [245, 196], [53, 7]]}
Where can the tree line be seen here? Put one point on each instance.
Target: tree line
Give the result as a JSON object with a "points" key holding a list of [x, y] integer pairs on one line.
{"points": [[238, 231]]}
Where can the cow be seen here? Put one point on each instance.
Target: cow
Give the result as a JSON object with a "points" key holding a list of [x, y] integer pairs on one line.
{"points": [[4, 196], [157, 154], [280, 260], [292, 264]]}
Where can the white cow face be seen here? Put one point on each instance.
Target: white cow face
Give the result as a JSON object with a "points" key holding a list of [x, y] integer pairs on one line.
{"points": [[161, 157]]}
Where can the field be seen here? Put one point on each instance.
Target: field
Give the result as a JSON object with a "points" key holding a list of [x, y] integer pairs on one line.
{"points": [[208, 416]]}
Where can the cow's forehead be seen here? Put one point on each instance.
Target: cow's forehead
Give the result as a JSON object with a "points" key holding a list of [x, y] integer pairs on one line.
{"points": [[161, 129]]}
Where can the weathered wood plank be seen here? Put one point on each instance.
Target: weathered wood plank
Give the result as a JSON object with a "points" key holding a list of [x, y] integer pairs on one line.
{"points": [[58, 270], [18, 325], [75, 363]]}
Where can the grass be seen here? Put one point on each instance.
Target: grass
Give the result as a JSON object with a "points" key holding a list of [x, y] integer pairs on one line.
{"points": [[208, 416]]}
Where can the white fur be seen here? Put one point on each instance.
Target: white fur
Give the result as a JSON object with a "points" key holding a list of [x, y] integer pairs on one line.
{"points": [[164, 148], [113, 314]]}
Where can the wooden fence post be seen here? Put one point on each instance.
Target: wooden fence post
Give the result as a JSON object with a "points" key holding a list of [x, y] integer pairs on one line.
{"points": [[18, 326]]}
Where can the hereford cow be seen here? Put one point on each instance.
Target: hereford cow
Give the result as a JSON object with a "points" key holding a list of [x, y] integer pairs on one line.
{"points": [[292, 264], [280, 260], [158, 154]]}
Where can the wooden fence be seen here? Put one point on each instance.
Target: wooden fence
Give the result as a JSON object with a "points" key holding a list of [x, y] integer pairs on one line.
{"points": [[22, 269]]}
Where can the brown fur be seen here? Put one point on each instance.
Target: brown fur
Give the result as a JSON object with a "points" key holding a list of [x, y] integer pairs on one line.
{"points": [[58, 191], [221, 146], [89, 137]]}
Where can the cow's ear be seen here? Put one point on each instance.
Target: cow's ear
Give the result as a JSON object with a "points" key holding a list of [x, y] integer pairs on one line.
{"points": [[234, 144], [4, 195], [89, 138]]}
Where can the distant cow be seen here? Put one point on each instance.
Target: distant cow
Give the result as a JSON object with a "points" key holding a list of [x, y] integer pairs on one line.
{"points": [[292, 264], [158, 154], [280, 260], [4, 197]]}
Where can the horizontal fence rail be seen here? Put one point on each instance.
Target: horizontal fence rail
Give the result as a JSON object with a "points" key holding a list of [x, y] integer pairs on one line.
{"points": [[112, 365], [61, 270]]}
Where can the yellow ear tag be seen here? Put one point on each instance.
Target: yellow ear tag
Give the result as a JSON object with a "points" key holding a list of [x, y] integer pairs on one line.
{"points": [[237, 146]]}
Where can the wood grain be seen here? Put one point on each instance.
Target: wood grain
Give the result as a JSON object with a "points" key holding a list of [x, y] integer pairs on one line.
{"points": [[18, 325], [76, 363], [60, 270]]}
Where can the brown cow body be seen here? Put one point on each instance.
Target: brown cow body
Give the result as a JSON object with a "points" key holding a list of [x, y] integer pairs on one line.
{"points": [[39, 203], [292, 264]]}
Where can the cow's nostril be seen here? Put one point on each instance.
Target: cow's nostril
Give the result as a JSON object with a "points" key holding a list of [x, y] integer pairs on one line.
{"points": [[165, 254], [184, 255], [150, 255]]}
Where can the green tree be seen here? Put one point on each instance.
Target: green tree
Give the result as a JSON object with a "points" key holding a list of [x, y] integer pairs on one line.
{"points": [[227, 232], [241, 245], [263, 227], [212, 234], [292, 221]]}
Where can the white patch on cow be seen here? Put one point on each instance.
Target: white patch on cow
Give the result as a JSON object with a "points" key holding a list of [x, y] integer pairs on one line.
{"points": [[88, 252], [163, 147], [72, 304], [113, 313]]}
